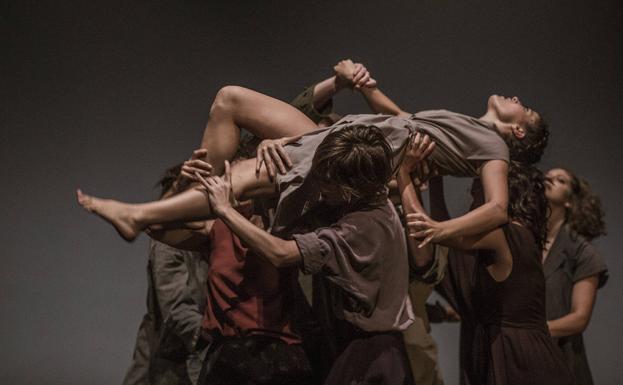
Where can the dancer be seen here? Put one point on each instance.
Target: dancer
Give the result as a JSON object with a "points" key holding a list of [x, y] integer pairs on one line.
{"points": [[353, 241], [168, 349], [251, 305], [511, 343], [421, 348], [466, 147], [458, 282], [574, 270]]}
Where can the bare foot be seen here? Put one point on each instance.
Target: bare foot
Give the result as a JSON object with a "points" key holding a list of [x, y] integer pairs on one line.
{"points": [[116, 213]]}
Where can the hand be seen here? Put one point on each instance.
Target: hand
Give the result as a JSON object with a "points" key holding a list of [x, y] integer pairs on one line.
{"points": [[426, 230], [271, 152], [219, 190], [195, 164], [362, 77], [418, 149], [353, 75], [451, 314], [344, 72]]}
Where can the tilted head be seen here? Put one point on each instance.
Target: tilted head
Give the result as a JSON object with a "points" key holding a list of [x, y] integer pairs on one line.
{"points": [[583, 211], [352, 167], [524, 130]]}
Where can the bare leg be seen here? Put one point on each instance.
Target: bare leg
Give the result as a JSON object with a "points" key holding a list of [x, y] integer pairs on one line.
{"points": [[130, 219], [237, 107]]}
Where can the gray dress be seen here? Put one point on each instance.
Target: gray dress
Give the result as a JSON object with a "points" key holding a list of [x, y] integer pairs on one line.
{"points": [[463, 144], [570, 260]]}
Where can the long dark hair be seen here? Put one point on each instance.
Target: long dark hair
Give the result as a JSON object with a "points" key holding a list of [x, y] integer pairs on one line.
{"points": [[586, 215], [527, 202], [530, 148], [357, 161]]}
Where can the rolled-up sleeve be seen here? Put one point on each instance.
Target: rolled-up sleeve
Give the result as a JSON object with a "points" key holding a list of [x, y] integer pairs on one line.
{"points": [[314, 252], [589, 263]]}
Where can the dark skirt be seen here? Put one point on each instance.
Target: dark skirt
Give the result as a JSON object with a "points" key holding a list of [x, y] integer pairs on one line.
{"points": [[505, 355], [257, 360], [372, 358]]}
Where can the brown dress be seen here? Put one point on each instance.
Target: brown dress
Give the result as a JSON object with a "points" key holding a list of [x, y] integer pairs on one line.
{"points": [[511, 342]]}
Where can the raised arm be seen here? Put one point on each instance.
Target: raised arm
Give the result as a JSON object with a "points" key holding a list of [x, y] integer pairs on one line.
{"points": [[277, 251], [419, 225], [360, 79], [418, 149], [381, 103], [492, 214]]}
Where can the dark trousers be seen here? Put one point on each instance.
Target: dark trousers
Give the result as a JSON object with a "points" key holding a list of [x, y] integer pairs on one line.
{"points": [[377, 358], [255, 360]]}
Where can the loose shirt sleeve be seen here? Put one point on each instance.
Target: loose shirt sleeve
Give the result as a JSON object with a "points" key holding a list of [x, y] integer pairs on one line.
{"points": [[364, 258], [588, 263], [304, 102]]}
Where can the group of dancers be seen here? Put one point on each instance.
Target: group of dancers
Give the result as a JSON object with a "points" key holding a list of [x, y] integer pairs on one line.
{"points": [[321, 254]]}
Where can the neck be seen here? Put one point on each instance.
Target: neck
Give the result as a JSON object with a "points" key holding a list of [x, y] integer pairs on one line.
{"points": [[491, 118], [555, 221], [488, 117]]}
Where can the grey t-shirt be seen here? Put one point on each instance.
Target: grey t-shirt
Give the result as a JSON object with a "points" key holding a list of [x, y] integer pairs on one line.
{"points": [[571, 259], [463, 142], [363, 257]]}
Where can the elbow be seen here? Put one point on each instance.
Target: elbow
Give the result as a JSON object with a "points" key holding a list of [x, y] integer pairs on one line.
{"points": [[581, 324], [277, 254], [500, 213]]}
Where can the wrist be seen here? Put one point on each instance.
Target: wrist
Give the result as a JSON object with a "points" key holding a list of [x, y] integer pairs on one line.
{"points": [[339, 83], [448, 230], [406, 168], [225, 211], [404, 174], [367, 90]]}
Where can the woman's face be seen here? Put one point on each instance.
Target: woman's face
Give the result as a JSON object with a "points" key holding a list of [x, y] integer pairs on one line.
{"points": [[512, 111], [558, 187]]}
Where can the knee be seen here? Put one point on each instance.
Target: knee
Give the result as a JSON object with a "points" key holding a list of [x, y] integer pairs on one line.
{"points": [[227, 98]]}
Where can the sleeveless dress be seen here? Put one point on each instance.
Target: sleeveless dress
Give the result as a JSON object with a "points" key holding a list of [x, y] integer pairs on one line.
{"points": [[511, 343]]}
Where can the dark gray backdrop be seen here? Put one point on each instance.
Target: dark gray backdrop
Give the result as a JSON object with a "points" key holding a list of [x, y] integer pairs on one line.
{"points": [[105, 95]]}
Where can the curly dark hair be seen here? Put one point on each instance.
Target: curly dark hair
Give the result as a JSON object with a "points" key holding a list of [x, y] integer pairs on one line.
{"points": [[530, 148], [168, 178], [357, 162], [586, 215], [527, 202]]}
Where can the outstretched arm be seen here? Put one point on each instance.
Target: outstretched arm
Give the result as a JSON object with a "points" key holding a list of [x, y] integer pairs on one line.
{"points": [[419, 225], [492, 214], [357, 76], [418, 149], [277, 251], [381, 103]]}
